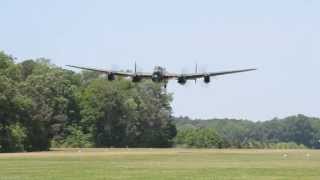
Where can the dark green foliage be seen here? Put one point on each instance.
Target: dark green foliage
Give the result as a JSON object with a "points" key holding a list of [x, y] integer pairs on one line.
{"points": [[124, 114], [199, 138], [76, 138], [12, 106]]}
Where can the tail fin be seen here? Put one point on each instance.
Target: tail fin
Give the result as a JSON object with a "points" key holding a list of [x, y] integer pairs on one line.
{"points": [[135, 67], [196, 71], [196, 68]]}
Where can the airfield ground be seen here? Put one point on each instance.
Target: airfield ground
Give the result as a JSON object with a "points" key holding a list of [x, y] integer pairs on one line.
{"points": [[171, 164]]}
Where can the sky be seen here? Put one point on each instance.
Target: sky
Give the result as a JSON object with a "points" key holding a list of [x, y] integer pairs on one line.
{"points": [[279, 37]]}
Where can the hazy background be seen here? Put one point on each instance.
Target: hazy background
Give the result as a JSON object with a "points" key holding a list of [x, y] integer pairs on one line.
{"points": [[281, 38]]}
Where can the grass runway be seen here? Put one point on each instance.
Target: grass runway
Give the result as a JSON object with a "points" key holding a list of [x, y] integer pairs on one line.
{"points": [[161, 164]]}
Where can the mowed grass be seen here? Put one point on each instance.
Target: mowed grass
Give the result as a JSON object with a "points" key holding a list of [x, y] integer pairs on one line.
{"points": [[161, 164]]}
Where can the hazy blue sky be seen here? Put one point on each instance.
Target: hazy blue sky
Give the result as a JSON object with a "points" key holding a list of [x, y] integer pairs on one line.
{"points": [[280, 37]]}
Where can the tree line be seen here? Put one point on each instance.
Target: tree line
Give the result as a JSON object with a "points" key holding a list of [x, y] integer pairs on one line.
{"points": [[292, 132], [43, 106]]}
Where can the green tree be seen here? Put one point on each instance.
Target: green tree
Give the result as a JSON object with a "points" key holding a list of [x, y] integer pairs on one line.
{"points": [[53, 95]]}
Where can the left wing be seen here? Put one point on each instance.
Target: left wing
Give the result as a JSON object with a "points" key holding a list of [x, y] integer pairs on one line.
{"points": [[201, 75], [117, 73]]}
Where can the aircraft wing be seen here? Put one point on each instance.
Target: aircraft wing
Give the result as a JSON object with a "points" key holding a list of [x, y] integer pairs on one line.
{"points": [[117, 73], [201, 75], [171, 75]]}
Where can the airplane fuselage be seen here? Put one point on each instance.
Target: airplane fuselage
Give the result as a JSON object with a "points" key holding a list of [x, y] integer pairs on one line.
{"points": [[158, 74]]}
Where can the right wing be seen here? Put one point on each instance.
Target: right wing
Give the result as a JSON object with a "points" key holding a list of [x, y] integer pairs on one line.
{"points": [[117, 73], [201, 75]]}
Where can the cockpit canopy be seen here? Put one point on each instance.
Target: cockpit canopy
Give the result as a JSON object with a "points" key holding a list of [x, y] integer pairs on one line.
{"points": [[159, 69]]}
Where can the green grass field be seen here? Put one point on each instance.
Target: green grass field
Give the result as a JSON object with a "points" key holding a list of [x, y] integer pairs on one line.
{"points": [[139, 164]]}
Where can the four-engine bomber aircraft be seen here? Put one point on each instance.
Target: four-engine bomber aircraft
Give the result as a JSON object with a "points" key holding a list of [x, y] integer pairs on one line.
{"points": [[160, 75]]}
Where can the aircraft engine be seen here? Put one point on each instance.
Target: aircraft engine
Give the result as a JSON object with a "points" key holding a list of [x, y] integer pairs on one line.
{"points": [[207, 79], [111, 77], [182, 80], [136, 79]]}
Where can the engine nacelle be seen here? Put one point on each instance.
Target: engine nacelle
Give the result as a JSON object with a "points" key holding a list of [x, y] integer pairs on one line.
{"points": [[207, 79], [182, 80], [136, 79], [111, 77]]}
